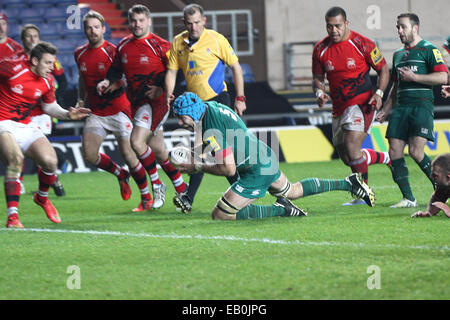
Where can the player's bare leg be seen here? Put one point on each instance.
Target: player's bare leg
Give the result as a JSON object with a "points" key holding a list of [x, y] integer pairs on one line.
{"points": [[91, 147], [12, 157], [43, 154]]}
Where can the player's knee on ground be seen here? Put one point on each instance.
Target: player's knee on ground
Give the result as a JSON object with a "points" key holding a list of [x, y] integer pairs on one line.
{"points": [[224, 210]]}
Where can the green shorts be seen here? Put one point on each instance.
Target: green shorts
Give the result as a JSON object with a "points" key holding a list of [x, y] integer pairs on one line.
{"points": [[406, 122], [255, 181]]}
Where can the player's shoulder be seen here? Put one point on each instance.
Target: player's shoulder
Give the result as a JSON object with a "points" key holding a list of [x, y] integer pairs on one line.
{"points": [[122, 43], [81, 48], [215, 35], [13, 43], [427, 45], [322, 44], [109, 47], [158, 39], [361, 41], [14, 65]]}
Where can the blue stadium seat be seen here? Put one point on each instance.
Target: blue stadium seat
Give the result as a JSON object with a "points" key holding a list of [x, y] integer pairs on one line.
{"points": [[56, 15], [13, 30], [64, 3], [12, 14], [40, 3], [66, 60], [15, 4], [29, 15], [48, 32], [72, 77], [64, 46]]}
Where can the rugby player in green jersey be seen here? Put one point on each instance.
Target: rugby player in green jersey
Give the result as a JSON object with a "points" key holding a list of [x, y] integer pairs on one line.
{"points": [[416, 68], [229, 146]]}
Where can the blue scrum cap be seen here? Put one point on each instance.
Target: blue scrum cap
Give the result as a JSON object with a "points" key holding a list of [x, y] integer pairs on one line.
{"points": [[189, 104]]}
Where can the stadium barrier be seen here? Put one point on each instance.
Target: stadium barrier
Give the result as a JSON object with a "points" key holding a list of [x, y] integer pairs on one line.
{"points": [[290, 143]]}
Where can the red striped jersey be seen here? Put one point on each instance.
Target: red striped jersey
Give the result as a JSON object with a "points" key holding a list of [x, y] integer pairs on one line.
{"points": [[347, 65], [21, 89], [10, 49], [93, 63], [144, 62]]}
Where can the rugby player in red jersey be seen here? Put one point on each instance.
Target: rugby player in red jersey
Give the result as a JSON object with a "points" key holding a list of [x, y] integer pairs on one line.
{"points": [[22, 84], [345, 58], [110, 112], [142, 58], [31, 35], [8, 47]]}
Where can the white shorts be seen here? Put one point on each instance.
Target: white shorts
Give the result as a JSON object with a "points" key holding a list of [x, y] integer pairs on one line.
{"points": [[352, 119], [118, 124], [144, 118], [43, 122], [25, 134]]}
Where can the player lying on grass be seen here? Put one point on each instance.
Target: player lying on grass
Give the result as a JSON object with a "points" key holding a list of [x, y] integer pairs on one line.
{"points": [[440, 173], [229, 145]]}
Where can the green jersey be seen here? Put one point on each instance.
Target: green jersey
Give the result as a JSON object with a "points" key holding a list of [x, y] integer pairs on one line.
{"points": [[424, 58], [224, 131]]}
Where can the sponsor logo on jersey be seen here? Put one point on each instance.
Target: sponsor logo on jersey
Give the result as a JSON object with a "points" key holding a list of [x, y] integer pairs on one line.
{"points": [[424, 130], [438, 56], [351, 64], [17, 68], [329, 66], [18, 88], [211, 142], [101, 66], [143, 59], [239, 188], [208, 51], [413, 68], [37, 93], [376, 55], [192, 64], [83, 67], [357, 120], [256, 192]]}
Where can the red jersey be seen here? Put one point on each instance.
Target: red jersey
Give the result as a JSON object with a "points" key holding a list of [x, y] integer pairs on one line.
{"points": [[11, 50], [21, 89], [347, 66], [93, 64], [57, 71], [144, 62]]}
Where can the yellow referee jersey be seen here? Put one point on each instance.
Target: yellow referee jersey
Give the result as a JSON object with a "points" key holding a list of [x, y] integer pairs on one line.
{"points": [[203, 63]]}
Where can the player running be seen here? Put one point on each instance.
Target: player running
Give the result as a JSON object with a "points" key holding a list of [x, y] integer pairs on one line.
{"points": [[22, 84], [345, 58], [229, 147], [110, 112], [142, 58]]}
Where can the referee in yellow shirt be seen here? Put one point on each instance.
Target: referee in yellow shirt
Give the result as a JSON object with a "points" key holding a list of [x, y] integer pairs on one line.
{"points": [[203, 55]]}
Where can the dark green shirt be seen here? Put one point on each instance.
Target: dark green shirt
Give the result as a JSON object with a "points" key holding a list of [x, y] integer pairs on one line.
{"points": [[424, 58]]}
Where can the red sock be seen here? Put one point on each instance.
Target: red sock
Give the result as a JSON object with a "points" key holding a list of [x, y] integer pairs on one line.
{"points": [[45, 181], [140, 177], [104, 162], [174, 175], [148, 160], [374, 157], [12, 193], [360, 165]]}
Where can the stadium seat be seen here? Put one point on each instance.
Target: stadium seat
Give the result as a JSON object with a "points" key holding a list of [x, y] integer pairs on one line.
{"points": [[64, 3], [64, 46], [29, 15], [48, 32], [12, 14], [56, 15], [66, 60], [14, 30], [40, 3], [15, 4]]}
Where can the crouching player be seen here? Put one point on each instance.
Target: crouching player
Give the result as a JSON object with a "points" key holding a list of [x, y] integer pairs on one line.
{"points": [[235, 148], [22, 84]]}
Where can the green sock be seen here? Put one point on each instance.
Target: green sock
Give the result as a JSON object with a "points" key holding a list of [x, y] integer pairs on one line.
{"points": [[314, 185], [400, 174], [253, 211], [425, 165]]}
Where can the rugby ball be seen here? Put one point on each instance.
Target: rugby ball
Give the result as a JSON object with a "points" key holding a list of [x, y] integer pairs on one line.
{"points": [[179, 155]]}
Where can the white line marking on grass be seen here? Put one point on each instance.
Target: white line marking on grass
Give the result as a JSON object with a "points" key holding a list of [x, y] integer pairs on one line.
{"points": [[232, 238]]}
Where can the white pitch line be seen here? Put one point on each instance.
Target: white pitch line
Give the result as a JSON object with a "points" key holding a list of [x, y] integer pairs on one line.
{"points": [[232, 238]]}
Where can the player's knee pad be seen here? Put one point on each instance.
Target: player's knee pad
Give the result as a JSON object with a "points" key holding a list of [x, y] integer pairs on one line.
{"points": [[226, 207], [283, 192]]}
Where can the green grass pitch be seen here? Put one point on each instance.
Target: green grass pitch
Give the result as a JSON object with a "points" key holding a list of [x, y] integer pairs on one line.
{"points": [[335, 252]]}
